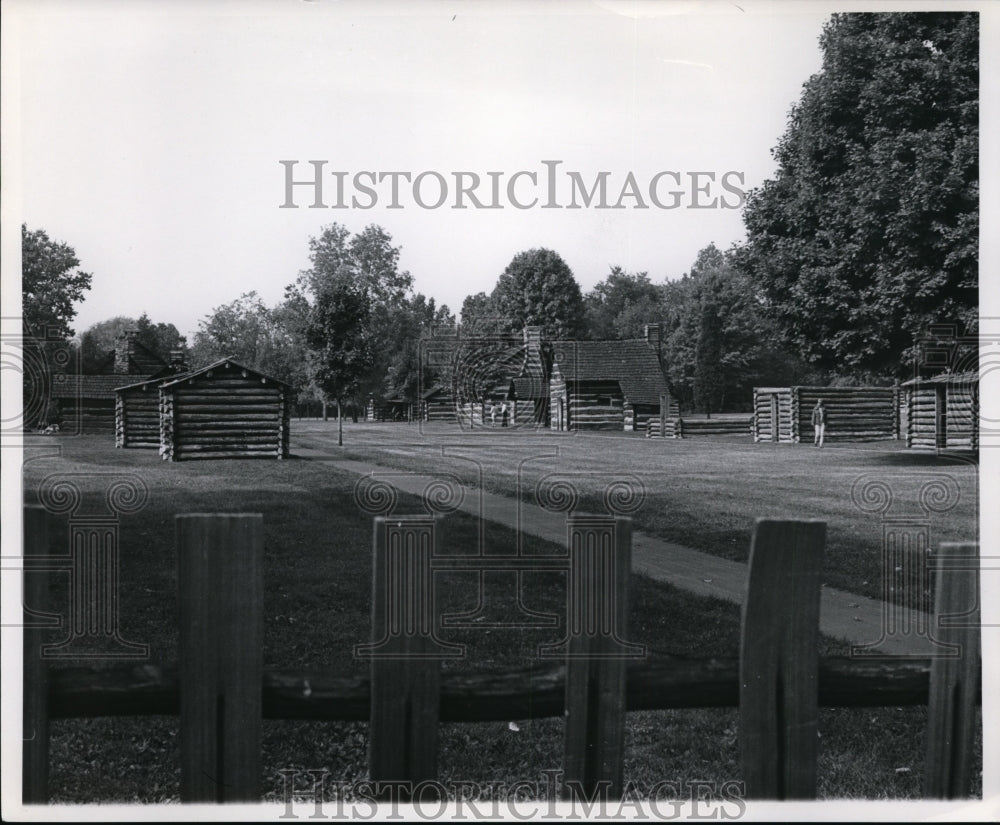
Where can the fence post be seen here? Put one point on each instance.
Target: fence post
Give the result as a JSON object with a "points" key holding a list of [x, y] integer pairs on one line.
{"points": [[600, 549], [220, 596], [405, 658], [779, 660], [34, 595], [951, 710]]}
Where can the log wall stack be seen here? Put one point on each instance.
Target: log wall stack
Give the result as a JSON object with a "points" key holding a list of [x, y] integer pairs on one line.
{"points": [[741, 425], [596, 405], [225, 412], [670, 429], [961, 402], [963, 417], [88, 415], [137, 417], [763, 427], [852, 413]]}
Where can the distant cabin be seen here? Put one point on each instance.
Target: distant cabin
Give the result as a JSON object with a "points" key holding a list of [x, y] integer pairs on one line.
{"points": [[87, 401], [607, 385], [784, 414], [437, 404], [224, 410], [137, 406], [943, 412]]}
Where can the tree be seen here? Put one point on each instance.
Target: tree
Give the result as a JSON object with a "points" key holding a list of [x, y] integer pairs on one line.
{"points": [[708, 380], [99, 340], [538, 289], [371, 262], [264, 338], [622, 304], [718, 341], [51, 282], [339, 335], [160, 338], [869, 231]]}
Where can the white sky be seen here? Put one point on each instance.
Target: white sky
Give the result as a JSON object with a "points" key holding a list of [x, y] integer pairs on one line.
{"points": [[150, 132]]}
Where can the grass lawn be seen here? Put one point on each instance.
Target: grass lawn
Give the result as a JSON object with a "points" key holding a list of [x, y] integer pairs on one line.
{"points": [[317, 607], [702, 492]]}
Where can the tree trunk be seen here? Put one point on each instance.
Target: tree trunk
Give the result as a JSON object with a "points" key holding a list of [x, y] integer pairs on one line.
{"points": [[325, 417], [340, 426]]}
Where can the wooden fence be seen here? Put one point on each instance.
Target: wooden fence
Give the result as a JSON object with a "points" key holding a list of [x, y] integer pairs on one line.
{"points": [[221, 691]]}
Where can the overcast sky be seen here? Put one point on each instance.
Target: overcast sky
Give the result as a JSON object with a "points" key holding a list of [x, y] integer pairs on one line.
{"points": [[150, 133]]}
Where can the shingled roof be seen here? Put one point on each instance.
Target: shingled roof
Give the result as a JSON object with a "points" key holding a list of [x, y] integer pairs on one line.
{"points": [[633, 364], [224, 364], [68, 385]]}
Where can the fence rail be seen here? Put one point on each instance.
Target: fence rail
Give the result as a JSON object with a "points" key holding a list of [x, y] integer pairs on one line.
{"points": [[221, 691]]}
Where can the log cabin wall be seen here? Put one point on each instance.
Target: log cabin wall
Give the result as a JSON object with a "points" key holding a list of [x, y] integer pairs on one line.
{"points": [[773, 415], [596, 405], [137, 416], [224, 411], [852, 413]]}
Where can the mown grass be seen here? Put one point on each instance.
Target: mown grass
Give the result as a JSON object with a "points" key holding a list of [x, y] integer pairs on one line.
{"points": [[704, 493], [317, 607]]}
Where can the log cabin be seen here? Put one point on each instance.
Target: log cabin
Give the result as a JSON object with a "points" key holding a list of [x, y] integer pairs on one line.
{"points": [[943, 412], [607, 385], [137, 406], [87, 401], [224, 410]]}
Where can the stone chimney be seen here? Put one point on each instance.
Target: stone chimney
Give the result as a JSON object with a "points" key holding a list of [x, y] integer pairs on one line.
{"points": [[533, 337], [178, 361], [652, 334], [124, 346]]}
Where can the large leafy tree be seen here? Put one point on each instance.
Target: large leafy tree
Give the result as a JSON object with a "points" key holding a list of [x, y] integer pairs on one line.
{"points": [[371, 263], [622, 304], [718, 341], [339, 335], [51, 283], [265, 338], [869, 230], [538, 289]]}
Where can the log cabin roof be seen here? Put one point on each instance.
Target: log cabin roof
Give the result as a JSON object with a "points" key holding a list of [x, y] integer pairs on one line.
{"points": [[68, 385], [633, 364], [224, 364], [427, 394], [969, 377], [157, 378]]}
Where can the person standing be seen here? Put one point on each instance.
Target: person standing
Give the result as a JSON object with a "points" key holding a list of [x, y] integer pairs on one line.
{"points": [[503, 415], [819, 424], [493, 414]]}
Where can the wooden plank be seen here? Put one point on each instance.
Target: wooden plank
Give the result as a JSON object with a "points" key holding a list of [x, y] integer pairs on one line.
{"points": [[405, 675], [658, 683], [598, 582], [954, 680], [35, 597], [779, 660], [220, 594]]}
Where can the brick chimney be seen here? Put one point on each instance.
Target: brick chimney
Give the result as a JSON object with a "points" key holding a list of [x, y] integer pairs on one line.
{"points": [[124, 346]]}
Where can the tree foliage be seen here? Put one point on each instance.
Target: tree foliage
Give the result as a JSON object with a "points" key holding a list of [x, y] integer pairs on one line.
{"points": [[538, 289], [869, 230], [622, 304], [99, 339], [718, 341], [51, 283], [254, 334]]}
